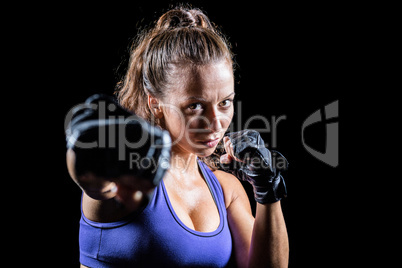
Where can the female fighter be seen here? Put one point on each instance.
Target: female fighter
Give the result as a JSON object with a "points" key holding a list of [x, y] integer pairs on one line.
{"points": [[180, 80]]}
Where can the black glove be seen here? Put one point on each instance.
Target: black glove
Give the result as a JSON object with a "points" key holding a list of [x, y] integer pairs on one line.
{"points": [[110, 141], [256, 166]]}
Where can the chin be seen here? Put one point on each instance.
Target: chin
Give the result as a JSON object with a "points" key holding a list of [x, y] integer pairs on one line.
{"points": [[205, 152]]}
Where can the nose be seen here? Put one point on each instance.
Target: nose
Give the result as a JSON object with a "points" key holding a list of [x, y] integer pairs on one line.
{"points": [[211, 121], [216, 120], [215, 125]]}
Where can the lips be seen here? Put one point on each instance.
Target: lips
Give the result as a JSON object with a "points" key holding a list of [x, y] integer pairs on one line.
{"points": [[210, 142]]}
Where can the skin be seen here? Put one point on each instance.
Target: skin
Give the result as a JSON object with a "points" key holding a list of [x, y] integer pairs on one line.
{"points": [[199, 109]]}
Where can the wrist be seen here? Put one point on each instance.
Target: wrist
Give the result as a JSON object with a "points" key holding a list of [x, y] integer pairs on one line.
{"points": [[269, 190]]}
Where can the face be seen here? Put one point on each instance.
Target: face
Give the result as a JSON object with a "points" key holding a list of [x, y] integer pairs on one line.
{"points": [[198, 109]]}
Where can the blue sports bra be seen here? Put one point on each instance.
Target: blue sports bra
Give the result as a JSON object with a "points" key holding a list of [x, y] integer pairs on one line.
{"points": [[156, 237]]}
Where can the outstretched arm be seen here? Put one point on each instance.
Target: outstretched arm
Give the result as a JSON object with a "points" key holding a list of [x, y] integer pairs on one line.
{"points": [[102, 138]]}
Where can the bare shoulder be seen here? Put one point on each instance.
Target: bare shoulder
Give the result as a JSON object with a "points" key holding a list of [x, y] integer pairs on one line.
{"points": [[225, 177], [231, 186]]}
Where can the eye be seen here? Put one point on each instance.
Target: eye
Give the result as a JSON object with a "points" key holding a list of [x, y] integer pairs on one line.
{"points": [[195, 106], [225, 103]]}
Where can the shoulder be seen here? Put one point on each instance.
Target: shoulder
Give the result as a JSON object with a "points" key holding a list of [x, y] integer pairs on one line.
{"points": [[231, 186], [224, 177]]}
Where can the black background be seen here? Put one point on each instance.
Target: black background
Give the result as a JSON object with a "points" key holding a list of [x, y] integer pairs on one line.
{"points": [[293, 59]]}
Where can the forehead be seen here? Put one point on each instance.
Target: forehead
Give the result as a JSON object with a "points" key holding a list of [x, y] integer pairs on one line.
{"points": [[206, 81]]}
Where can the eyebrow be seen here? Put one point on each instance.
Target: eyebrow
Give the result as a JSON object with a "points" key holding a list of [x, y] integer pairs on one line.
{"points": [[204, 100]]}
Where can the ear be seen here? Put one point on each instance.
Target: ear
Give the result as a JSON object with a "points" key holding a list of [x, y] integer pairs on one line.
{"points": [[154, 106]]}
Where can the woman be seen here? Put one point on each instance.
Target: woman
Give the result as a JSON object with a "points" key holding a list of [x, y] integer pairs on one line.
{"points": [[180, 77]]}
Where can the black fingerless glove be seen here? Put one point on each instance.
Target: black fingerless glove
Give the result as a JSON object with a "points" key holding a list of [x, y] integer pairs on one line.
{"points": [[256, 166], [110, 141]]}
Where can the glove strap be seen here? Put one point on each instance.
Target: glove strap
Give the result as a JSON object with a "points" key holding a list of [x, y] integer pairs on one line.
{"points": [[271, 192]]}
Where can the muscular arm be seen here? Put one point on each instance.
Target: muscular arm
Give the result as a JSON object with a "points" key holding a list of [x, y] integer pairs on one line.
{"points": [[259, 242], [270, 245]]}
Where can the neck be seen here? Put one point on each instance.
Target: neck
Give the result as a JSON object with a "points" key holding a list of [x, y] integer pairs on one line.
{"points": [[183, 164]]}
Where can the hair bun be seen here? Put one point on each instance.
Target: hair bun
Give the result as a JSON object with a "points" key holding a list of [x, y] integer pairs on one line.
{"points": [[183, 18]]}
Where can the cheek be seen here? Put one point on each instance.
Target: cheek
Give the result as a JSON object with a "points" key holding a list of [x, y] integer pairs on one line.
{"points": [[174, 122], [226, 118]]}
